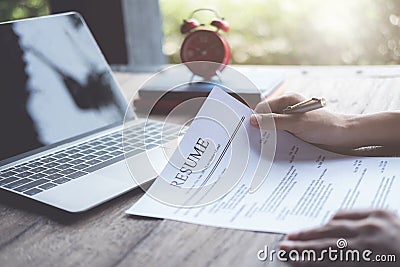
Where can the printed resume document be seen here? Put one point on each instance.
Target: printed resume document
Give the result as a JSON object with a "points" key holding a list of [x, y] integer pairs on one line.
{"points": [[227, 173]]}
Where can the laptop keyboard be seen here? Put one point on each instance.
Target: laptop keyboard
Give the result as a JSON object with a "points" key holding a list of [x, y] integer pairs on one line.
{"points": [[63, 166]]}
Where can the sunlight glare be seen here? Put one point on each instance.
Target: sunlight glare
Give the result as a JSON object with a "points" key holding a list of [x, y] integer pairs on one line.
{"points": [[335, 17]]}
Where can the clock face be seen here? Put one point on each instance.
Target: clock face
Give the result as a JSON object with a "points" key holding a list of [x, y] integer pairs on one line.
{"points": [[204, 45]]}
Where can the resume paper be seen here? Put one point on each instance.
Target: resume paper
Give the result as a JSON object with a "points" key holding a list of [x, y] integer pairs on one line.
{"points": [[227, 173]]}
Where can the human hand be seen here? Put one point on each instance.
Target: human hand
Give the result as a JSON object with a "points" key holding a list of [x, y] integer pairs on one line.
{"points": [[318, 126], [374, 230]]}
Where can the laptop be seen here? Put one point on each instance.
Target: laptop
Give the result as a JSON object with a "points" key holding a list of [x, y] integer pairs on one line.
{"points": [[63, 117]]}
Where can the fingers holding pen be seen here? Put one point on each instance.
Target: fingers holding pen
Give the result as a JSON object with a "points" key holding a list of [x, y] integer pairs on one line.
{"points": [[268, 113], [276, 105]]}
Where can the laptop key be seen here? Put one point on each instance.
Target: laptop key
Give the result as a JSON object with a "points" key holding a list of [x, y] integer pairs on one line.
{"points": [[61, 180], [64, 160], [100, 153], [72, 150], [24, 174], [88, 151], [54, 176], [22, 169], [105, 157], [35, 164], [64, 166], [38, 169], [89, 157], [31, 185], [95, 143], [83, 147], [67, 171], [99, 147], [150, 146], [111, 148], [18, 183], [47, 186], [8, 180], [76, 161], [38, 176], [60, 155], [128, 148], [81, 166], [51, 171], [51, 165], [33, 191], [76, 174], [116, 153], [77, 155], [111, 143], [8, 174], [93, 162], [48, 160]]}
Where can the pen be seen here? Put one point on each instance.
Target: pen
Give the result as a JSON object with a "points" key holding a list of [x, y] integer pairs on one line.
{"points": [[305, 106]]}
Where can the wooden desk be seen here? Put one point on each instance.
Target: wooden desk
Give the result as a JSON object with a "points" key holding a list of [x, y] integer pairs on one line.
{"points": [[33, 234]]}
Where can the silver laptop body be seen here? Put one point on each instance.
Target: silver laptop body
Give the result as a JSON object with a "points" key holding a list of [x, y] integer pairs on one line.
{"points": [[62, 114]]}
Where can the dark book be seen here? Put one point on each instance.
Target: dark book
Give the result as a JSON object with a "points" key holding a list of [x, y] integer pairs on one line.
{"points": [[176, 85]]}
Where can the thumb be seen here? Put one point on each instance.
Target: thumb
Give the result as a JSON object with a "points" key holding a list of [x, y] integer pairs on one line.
{"points": [[272, 121]]}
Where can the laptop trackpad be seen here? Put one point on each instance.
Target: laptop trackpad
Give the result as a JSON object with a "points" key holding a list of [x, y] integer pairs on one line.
{"points": [[83, 193]]}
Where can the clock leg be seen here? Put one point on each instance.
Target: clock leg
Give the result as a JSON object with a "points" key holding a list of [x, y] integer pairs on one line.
{"points": [[191, 79], [218, 74]]}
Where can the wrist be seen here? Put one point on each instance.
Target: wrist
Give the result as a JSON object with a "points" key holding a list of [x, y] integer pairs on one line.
{"points": [[350, 126]]}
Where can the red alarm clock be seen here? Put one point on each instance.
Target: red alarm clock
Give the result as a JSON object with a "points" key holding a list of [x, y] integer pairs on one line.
{"points": [[205, 45]]}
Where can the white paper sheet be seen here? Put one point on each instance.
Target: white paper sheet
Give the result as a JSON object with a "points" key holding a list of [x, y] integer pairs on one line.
{"points": [[304, 187]]}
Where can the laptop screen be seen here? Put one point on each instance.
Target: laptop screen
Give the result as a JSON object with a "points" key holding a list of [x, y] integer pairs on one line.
{"points": [[54, 84]]}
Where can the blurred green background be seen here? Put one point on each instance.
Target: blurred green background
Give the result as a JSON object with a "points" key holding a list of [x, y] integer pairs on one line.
{"points": [[18, 9], [317, 32]]}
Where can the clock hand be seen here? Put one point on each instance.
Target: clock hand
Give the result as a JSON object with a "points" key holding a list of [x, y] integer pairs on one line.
{"points": [[200, 52]]}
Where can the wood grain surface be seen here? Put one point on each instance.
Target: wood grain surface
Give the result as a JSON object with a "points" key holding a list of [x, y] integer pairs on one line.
{"points": [[33, 234]]}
